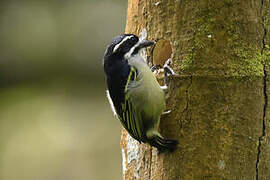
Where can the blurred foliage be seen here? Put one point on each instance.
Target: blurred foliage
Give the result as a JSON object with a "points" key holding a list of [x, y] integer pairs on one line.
{"points": [[44, 39], [55, 122]]}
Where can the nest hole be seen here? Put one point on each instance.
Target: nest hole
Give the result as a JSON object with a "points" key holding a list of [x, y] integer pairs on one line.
{"points": [[162, 52]]}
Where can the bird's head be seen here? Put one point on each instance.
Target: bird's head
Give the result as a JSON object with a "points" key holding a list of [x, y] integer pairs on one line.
{"points": [[126, 46]]}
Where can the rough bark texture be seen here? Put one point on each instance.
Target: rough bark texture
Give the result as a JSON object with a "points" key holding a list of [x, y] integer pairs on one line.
{"points": [[219, 101]]}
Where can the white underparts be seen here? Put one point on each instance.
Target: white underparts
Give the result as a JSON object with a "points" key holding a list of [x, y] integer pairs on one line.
{"points": [[111, 102]]}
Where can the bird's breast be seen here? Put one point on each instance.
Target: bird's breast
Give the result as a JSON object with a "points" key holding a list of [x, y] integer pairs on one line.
{"points": [[146, 90]]}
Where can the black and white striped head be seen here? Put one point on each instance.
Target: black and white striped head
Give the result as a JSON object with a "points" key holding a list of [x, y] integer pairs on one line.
{"points": [[125, 46]]}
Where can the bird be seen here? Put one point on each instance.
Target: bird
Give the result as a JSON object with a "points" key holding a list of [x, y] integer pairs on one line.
{"points": [[134, 93]]}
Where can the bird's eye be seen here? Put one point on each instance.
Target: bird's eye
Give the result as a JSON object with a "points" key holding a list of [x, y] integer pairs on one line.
{"points": [[133, 38]]}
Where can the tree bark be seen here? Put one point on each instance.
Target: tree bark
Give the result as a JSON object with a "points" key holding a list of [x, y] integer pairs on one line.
{"points": [[219, 102]]}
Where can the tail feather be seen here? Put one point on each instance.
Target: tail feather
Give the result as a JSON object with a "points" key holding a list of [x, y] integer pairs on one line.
{"points": [[163, 144]]}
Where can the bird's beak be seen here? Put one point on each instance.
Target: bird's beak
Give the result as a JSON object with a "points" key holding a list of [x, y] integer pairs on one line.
{"points": [[145, 43]]}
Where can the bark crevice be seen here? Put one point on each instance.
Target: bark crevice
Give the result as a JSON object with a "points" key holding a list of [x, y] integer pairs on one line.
{"points": [[187, 100], [263, 26], [150, 163], [261, 138]]}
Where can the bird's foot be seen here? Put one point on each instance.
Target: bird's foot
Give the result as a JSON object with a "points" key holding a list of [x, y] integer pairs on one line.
{"points": [[167, 68], [166, 112], [168, 71]]}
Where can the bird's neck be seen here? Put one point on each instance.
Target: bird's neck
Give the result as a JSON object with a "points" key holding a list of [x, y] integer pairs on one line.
{"points": [[114, 65]]}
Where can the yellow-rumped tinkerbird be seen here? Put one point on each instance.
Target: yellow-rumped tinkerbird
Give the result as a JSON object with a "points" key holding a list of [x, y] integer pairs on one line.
{"points": [[135, 95]]}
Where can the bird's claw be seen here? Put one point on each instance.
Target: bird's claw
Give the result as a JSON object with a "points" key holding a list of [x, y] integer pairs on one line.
{"points": [[155, 67], [167, 68], [166, 112], [168, 71]]}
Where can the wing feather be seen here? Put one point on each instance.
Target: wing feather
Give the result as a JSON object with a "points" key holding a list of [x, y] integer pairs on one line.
{"points": [[130, 118]]}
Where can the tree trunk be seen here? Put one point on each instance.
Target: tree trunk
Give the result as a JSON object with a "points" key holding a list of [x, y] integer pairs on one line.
{"points": [[219, 101]]}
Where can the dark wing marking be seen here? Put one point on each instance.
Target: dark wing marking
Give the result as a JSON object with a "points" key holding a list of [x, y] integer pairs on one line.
{"points": [[129, 116]]}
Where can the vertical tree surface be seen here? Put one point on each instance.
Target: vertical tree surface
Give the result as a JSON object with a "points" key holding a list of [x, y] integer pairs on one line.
{"points": [[219, 102]]}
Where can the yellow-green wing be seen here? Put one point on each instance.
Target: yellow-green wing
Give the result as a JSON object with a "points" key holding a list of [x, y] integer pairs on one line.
{"points": [[130, 118]]}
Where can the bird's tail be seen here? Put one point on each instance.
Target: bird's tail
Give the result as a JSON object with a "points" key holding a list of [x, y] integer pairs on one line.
{"points": [[163, 144]]}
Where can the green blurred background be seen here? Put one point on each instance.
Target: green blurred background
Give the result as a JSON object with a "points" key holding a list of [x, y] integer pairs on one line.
{"points": [[55, 121]]}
